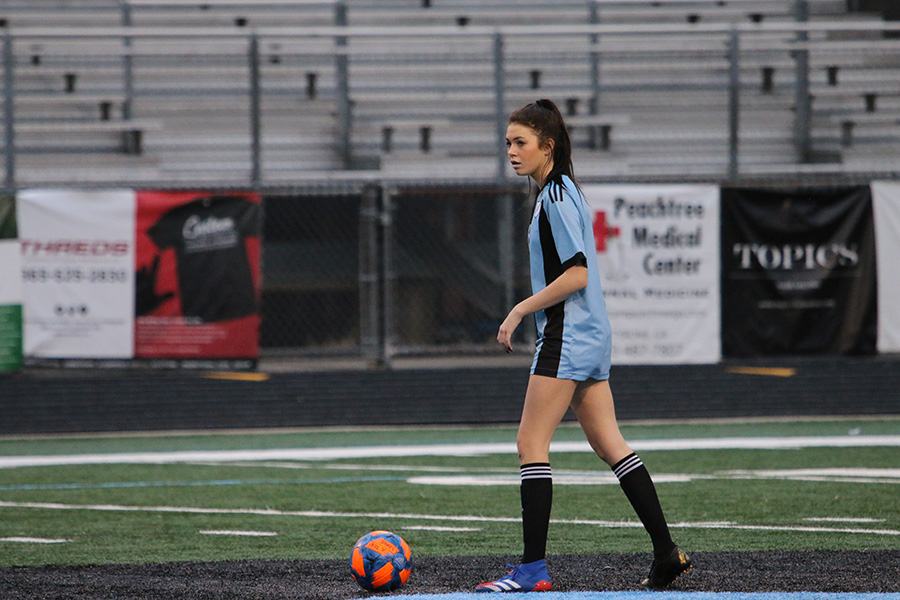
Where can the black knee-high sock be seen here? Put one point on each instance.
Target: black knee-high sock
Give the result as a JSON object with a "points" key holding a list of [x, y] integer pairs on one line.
{"points": [[640, 491], [537, 497]]}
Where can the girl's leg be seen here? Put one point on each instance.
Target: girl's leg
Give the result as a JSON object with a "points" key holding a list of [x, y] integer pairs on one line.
{"points": [[596, 413], [546, 402], [593, 405]]}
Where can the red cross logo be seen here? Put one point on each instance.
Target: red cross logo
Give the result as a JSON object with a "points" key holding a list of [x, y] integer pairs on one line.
{"points": [[603, 232]]}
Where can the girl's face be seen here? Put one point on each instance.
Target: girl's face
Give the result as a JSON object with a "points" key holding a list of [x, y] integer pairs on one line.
{"points": [[526, 155]]}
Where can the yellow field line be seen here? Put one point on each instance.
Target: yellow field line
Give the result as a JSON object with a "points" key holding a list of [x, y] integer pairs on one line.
{"points": [[237, 376], [770, 371]]}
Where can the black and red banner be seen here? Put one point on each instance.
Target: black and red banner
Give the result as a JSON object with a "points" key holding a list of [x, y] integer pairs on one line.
{"points": [[197, 276], [798, 272]]}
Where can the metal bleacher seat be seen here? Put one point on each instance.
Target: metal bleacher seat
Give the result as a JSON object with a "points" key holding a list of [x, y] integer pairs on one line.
{"points": [[424, 103], [238, 13]]}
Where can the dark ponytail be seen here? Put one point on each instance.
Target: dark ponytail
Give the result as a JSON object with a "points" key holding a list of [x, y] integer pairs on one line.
{"points": [[547, 122]]}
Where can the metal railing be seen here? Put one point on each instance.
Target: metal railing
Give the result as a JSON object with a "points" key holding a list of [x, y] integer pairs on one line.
{"points": [[369, 115]]}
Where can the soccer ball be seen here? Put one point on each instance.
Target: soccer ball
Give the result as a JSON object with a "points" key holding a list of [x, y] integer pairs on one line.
{"points": [[380, 561]]}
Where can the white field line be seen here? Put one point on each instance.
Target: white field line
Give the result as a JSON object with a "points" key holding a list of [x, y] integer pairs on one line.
{"points": [[481, 476], [824, 472], [842, 475], [843, 520], [355, 467], [33, 540], [309, 454], [503, 477], [825, 479], [439, 528], [559, 478], [239, 533], [317, 514]]}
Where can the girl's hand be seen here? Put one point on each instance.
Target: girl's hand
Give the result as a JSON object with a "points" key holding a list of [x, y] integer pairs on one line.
{"points": [[508, 327], [573, 279]]}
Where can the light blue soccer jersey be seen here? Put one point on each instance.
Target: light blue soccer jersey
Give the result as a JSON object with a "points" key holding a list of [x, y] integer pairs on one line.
{"points": [[574, 336]]}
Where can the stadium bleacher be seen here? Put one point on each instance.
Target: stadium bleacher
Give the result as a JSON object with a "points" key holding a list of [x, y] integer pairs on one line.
{"points": [[161, 91]]}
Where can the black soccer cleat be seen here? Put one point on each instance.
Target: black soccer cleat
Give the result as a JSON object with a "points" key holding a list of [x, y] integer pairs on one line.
{"points": [[664, 571]]}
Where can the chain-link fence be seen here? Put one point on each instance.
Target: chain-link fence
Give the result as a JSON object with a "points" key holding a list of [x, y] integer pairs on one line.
{"points": [[381, 270], [311, 272], [280, 98]]}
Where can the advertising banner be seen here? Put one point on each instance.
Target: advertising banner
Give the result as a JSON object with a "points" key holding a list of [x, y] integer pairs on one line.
{"points": [[886, 208], [77, 251], [197, 285], [10, 288], [798, 272], [658, 251]]}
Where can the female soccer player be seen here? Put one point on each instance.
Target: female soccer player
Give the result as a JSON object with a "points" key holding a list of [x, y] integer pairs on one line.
{"points": [[572, 361]]}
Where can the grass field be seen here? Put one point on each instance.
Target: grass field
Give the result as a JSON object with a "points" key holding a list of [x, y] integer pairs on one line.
{"points": [[755, 485]]}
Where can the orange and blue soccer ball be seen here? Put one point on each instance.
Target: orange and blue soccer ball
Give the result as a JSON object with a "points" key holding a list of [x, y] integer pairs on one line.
{"points": [[380, 561]]}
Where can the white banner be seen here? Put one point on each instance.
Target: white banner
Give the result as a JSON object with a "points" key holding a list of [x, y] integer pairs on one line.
{"points": [[78, 272], [658, 251], [886, 212]]}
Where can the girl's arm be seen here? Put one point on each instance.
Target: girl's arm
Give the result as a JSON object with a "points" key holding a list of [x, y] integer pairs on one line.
{"points": [[572, 280]]}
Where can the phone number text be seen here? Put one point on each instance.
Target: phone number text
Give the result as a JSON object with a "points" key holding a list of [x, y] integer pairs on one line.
{"points": [[75, 275]]}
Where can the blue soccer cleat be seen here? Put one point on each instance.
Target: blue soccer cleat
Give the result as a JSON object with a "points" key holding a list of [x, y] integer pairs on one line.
{"points": [[529, 577]]}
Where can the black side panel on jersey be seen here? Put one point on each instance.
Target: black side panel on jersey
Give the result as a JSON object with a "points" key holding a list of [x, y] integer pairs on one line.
{"points": [[551, 347]]}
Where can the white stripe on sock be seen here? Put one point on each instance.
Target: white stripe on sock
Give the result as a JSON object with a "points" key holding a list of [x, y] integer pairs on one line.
{"points": [[629, 465], [536, 472]]}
